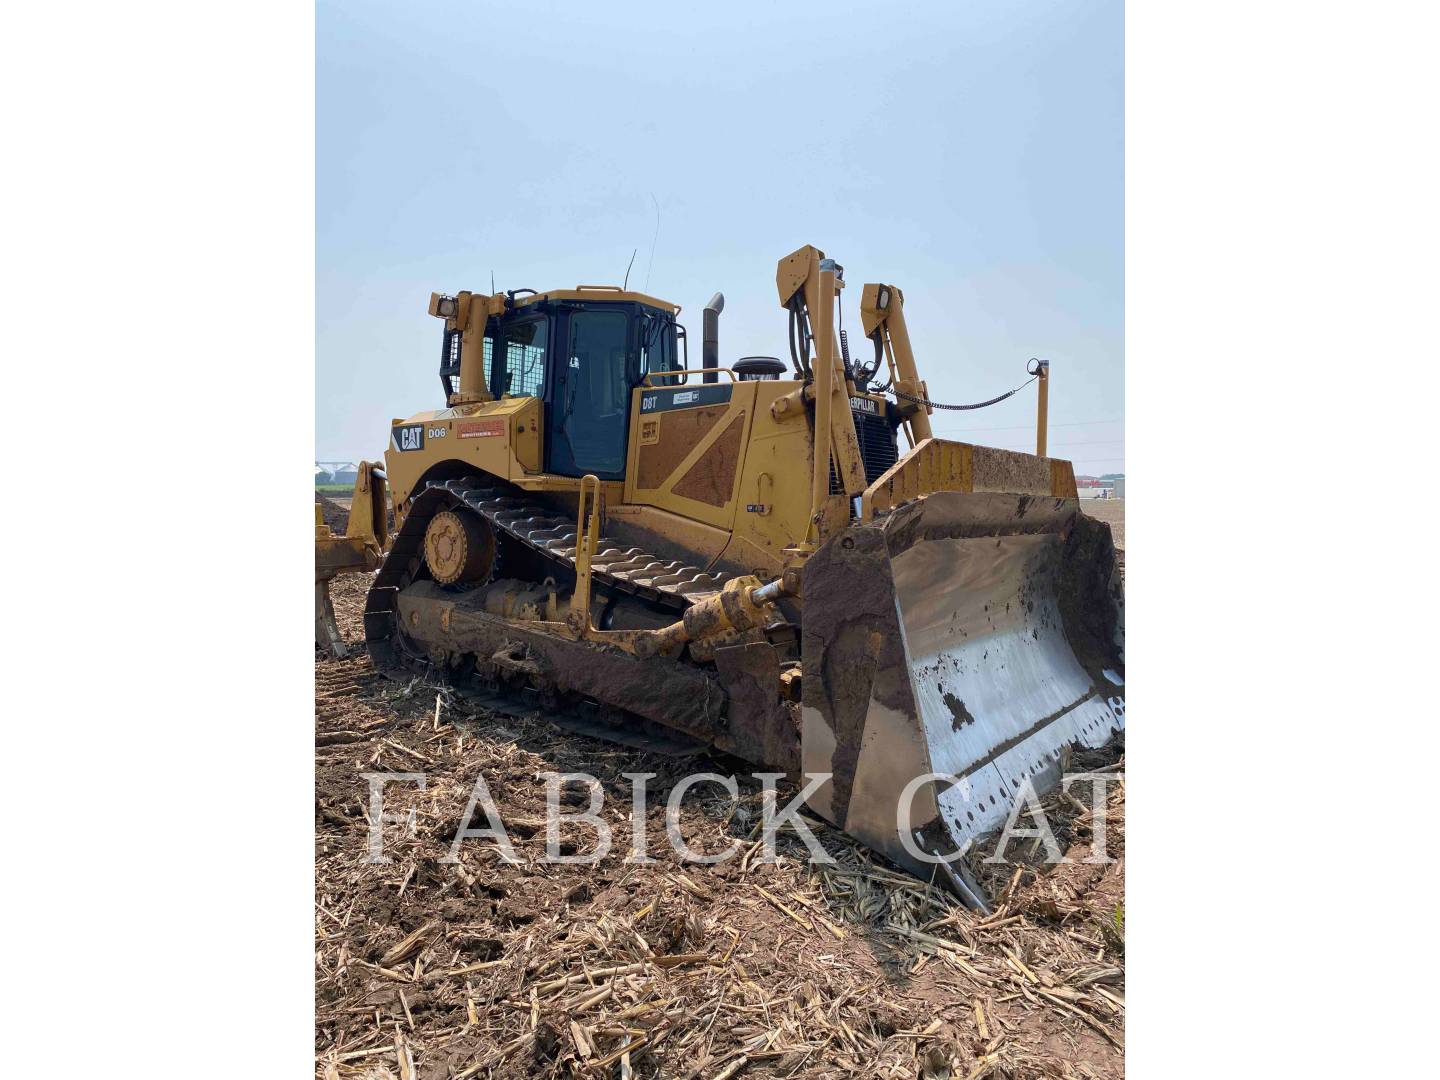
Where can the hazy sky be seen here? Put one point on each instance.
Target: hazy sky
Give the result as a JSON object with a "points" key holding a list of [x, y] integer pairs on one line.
{"points": [[969, 152]]}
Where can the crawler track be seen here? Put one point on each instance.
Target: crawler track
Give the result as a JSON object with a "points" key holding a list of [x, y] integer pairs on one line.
{"points": [[627, 570]]}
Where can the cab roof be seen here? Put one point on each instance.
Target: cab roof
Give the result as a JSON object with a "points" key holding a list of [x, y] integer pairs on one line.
{"points": [[600, 292]]}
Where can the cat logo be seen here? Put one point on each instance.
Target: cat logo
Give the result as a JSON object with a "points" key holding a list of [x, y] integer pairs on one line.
{"points": [[864, 405], [408, 437]]}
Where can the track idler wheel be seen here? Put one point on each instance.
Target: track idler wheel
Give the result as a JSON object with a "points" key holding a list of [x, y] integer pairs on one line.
{"points": [[459, 548]]}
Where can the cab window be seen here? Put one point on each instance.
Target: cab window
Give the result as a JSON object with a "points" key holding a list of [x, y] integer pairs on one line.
{"points": [[450, 359], [523, 373], [590, 402], [657, 345]]}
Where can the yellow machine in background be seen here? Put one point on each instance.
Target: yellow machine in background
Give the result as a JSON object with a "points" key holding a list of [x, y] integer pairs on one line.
{"points": [[360, 549], [743, 553]]}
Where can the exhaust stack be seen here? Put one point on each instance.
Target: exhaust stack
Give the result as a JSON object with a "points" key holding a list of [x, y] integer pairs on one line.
{"points": [[710, 337]]}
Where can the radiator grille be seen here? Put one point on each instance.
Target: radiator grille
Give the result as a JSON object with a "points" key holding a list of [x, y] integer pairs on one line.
{"points": [[878, 448], [877, 444]]}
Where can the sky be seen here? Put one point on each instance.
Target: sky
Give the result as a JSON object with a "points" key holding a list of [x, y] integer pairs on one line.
{"points": [[971, 153]]}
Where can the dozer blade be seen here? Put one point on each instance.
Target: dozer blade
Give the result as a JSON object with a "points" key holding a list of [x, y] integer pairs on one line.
{"points": [[970, 635]]}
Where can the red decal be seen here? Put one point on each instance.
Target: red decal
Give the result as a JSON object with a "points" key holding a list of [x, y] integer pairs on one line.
{"points": [[481, 429]]}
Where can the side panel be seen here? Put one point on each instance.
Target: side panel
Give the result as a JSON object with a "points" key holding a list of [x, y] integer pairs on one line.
{"points": [[687, 449], [774, 496], [720, 459], [501, 438]]}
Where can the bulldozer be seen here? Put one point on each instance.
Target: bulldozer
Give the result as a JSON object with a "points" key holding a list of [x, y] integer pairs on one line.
{"points": [[745, 556]]}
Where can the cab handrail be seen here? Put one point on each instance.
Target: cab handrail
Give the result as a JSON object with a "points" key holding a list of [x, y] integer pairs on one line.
{"points": [[682, 372]]}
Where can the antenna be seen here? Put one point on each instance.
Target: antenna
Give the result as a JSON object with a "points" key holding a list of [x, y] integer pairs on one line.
{"points": [[492, 282], [627, 269], [653, 239]]}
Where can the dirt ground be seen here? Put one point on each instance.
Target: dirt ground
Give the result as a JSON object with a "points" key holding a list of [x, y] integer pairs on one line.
{"points": [[336, 512], [427, 969]]}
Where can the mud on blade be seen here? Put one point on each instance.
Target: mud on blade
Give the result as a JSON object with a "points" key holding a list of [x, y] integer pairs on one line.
{"points": [[969, 635]]}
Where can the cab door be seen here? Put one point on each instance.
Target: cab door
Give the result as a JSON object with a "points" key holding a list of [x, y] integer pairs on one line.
{"points": [[589, 397]]}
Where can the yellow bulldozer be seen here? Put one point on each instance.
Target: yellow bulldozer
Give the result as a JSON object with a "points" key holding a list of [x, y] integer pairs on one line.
{"points": [[745, 555]]}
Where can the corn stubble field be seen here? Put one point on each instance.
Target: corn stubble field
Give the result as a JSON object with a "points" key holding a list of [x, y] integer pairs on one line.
{"points": [[435, 970]]}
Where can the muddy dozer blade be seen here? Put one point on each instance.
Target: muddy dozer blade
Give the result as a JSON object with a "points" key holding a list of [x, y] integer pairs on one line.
{"points": [[970, 635]]}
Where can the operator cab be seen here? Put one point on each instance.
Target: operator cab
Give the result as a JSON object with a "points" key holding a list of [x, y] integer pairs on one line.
{"points": [[581, 357]]}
